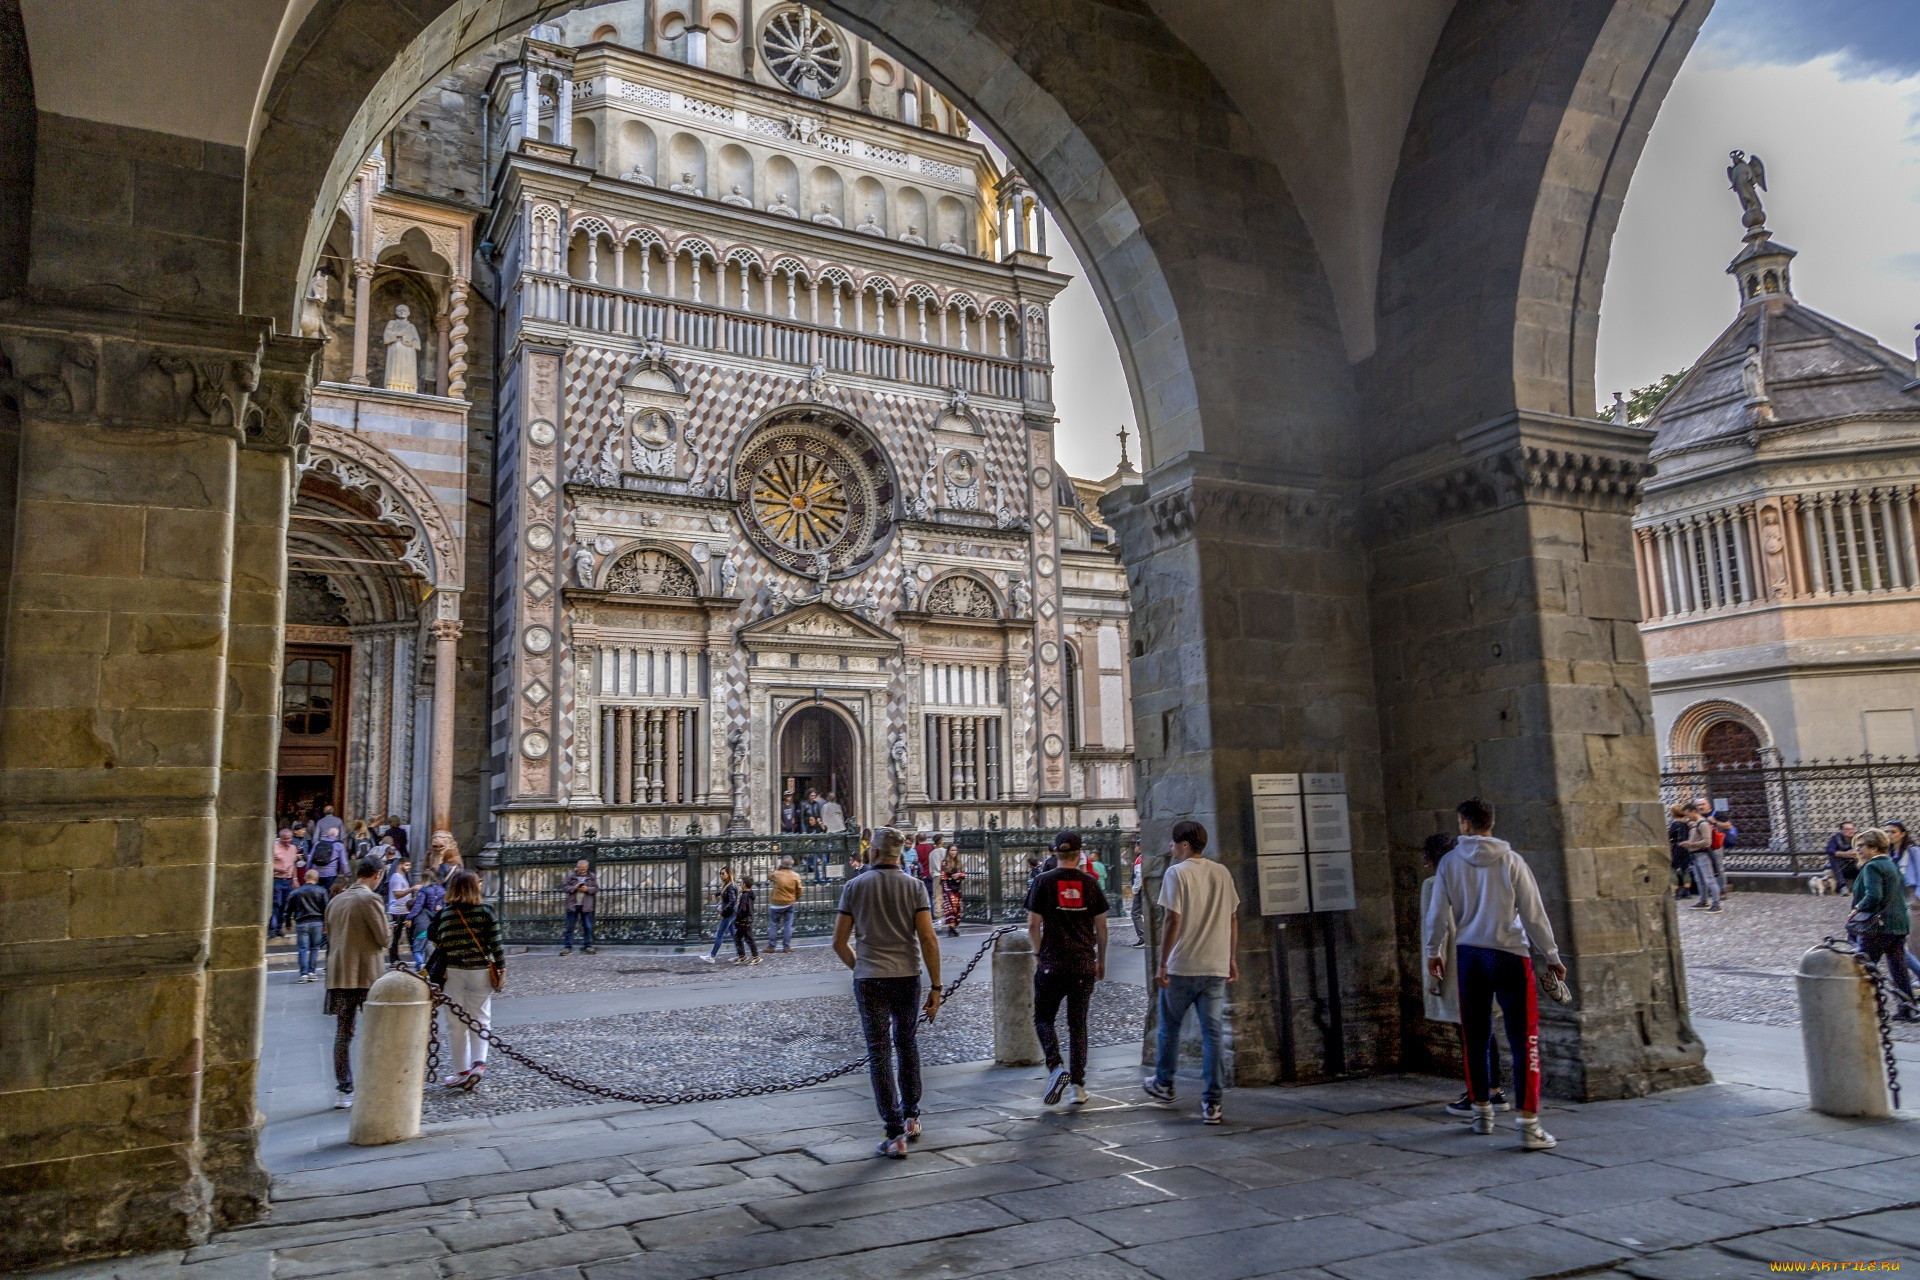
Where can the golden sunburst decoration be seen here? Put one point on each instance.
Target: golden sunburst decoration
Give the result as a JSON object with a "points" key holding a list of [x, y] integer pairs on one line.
{"points": [[801, 501]]}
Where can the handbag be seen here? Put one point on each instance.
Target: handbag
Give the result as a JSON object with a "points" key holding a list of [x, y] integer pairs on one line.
{"points": [[495, 975]]}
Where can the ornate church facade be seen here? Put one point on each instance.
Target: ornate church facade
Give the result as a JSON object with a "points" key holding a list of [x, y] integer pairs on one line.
{"points": [[762, 488]]}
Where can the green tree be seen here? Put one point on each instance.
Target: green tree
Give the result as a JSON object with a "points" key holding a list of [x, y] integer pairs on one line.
{"points": [[1642, 401]]}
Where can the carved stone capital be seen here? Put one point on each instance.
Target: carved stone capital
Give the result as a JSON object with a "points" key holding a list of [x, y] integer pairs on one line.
{"points": [[363, 268], [279, 416], [445, 629]]}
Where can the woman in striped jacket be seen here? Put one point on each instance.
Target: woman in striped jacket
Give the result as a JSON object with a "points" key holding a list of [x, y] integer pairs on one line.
{"points": [[466, 941]]}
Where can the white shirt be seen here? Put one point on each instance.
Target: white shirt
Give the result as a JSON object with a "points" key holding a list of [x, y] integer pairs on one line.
{"points": [[832, 816], [1201, 892], [396, 884]]}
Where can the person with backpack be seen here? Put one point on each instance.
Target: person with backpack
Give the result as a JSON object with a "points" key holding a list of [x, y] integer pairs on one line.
{"points": [[1880, 921], [1699, 843], [729, 895], [329, 858], [743, 924], [423, 908], [1679, 825]]}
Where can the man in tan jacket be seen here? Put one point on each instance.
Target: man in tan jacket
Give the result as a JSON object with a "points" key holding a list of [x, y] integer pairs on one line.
{"points": [[356, 954], [783, 901]]}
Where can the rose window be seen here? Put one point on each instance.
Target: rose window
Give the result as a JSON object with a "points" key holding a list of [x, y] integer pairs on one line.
{"points": [[804, 52], [816, 493]]}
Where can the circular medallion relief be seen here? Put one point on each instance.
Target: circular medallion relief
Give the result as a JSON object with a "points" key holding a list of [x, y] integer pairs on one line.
{"points": [[541, 432], [803, 51], [1053, 746], [924, 573], [603, 544], [1042, 478], [1049, 653], [539, 536], [1044, 565], [814, 487], [538, 640], [534, 744]]}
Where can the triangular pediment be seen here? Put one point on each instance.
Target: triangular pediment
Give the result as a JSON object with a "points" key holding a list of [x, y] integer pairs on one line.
{"points": [[817, 623]]}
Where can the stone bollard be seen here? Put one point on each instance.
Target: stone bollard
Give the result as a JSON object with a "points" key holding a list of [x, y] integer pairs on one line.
{"points": [[393, 1061], [1014, 1042], [1840, 1027]]}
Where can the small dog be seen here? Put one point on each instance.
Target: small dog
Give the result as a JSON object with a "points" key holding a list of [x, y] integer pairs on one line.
{"points": [[1822, 884]]}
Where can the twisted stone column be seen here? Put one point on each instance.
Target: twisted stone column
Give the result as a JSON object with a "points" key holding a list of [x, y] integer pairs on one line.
{"points": [[446, 640]]}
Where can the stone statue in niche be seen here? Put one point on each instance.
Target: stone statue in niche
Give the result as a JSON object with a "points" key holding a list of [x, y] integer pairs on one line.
{"points": [[583, 567], [781, 209], [313, 310], [825, 217], [686, 187], [1773, 546], [951, 245], [1753, 377], [914, 237], [736, 199], [639, 175], [403, 352], [1022, 597], [909, 595], [870, 226]]}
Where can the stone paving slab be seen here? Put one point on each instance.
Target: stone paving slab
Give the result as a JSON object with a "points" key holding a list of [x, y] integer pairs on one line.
{"points": [[1352, 1181]]}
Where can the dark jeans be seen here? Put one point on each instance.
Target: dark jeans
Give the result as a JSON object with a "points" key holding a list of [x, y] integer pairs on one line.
{"points": [[307, 935], [1487, 975], [282, 890], [1891, 947], [348, 1012], [743, 938], [1050, 987], [890, 1014], [398, 926], [586, 927]]}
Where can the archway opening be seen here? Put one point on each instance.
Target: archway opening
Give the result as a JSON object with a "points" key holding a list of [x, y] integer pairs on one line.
{"points": [[819, 761]]}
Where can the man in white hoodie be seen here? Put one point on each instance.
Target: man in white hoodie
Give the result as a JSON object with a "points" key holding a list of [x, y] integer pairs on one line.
{"points": [[1485, 898]]}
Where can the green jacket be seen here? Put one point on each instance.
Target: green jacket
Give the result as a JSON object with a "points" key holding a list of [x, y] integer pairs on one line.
{"points": [[1879, 888]]}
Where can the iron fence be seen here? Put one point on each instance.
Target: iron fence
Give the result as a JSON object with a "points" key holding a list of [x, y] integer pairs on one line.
{"points": [[666, 890], [1786, 812]]}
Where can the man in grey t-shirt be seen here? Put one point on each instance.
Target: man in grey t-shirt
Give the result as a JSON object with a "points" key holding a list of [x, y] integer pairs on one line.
{"points": [[884, 931]]}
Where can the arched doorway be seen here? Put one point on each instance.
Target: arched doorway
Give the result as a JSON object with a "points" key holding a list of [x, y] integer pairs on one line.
{"points": [[1730, 750], [817, 750]]}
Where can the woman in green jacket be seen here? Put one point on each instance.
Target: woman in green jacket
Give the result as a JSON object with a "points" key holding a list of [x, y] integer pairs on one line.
{"points": [[1879, 924]]}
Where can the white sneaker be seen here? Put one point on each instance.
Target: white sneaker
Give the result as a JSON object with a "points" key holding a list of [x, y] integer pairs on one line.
{"points": [[342, 1102], [1534, 1138], [1079, 1095], [707, 958], [1056, 1085], [1483, 1118]]}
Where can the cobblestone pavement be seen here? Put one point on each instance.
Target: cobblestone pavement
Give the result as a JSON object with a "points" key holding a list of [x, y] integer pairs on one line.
{"points": [[748, 1042], [1359, 1180], [1741, 960]]}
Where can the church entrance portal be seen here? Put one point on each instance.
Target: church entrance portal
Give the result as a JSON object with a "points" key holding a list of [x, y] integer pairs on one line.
{"points": [[817, 750]]}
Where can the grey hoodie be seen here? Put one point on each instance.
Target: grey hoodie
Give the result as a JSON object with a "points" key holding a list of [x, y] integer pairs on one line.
{"points": [[1489, 894]]}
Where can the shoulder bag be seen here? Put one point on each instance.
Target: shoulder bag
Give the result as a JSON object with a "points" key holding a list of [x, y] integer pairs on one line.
{"points": [[495, 974]]}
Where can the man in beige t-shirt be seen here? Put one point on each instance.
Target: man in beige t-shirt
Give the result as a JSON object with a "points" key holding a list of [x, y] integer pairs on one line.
{"points": [[1198, 945], [783, 900]]}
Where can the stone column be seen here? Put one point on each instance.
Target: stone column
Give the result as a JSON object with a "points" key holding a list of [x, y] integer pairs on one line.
{"points": [[442, 329], [446, 642], [362, 318], [136, 635], [456, 354]]}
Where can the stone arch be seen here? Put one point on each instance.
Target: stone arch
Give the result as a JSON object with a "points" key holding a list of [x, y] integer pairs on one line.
{"points": [[859, 780], [1691, 725], [627, 568], [403, 499]]}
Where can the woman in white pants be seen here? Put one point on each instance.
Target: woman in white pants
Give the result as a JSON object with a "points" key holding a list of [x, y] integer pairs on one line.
{"points": [[466, 942]]}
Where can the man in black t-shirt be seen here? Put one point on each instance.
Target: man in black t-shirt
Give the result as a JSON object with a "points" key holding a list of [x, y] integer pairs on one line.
{"points": [[1067, 920]]}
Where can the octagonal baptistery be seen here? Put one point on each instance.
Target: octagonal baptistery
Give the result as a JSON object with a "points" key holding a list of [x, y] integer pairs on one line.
{"points": [[1779, 574], [777, 504]]}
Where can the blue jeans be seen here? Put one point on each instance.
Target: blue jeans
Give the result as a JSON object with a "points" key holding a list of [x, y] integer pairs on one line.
{"points": [[1705, 877], [780, 925], [307, 940], [721, 934], [586, 927], [1209, 997], [282, 890], [890, 1017]]}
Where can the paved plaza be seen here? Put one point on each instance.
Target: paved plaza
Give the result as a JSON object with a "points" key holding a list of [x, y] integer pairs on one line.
{"points": [[1357, 1179]]}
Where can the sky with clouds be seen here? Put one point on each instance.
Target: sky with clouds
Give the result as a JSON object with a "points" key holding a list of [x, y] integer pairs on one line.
{"points": [[1827, 92]]}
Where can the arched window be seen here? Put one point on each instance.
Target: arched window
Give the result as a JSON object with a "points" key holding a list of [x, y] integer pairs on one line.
{"points": [[1073, 697]]}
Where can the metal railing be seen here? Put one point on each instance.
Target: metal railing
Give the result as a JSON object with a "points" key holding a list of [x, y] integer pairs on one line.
{"points": [[666, 890], [1786, 812]]}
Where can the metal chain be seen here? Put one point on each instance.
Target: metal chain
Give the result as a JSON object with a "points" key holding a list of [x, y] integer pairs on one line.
{"points": [[1871, 972], [441, 999]]}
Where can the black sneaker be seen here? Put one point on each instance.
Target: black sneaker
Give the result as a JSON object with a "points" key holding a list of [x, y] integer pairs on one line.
{"points": [[1463, 1105], [1056, 1085], [1157, 1091]]}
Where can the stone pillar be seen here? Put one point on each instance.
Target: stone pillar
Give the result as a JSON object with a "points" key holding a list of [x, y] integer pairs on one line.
{"points": [[265, 481], [456, 355], [446, 640], [362, 318], [442, 328], [137, 637]]}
